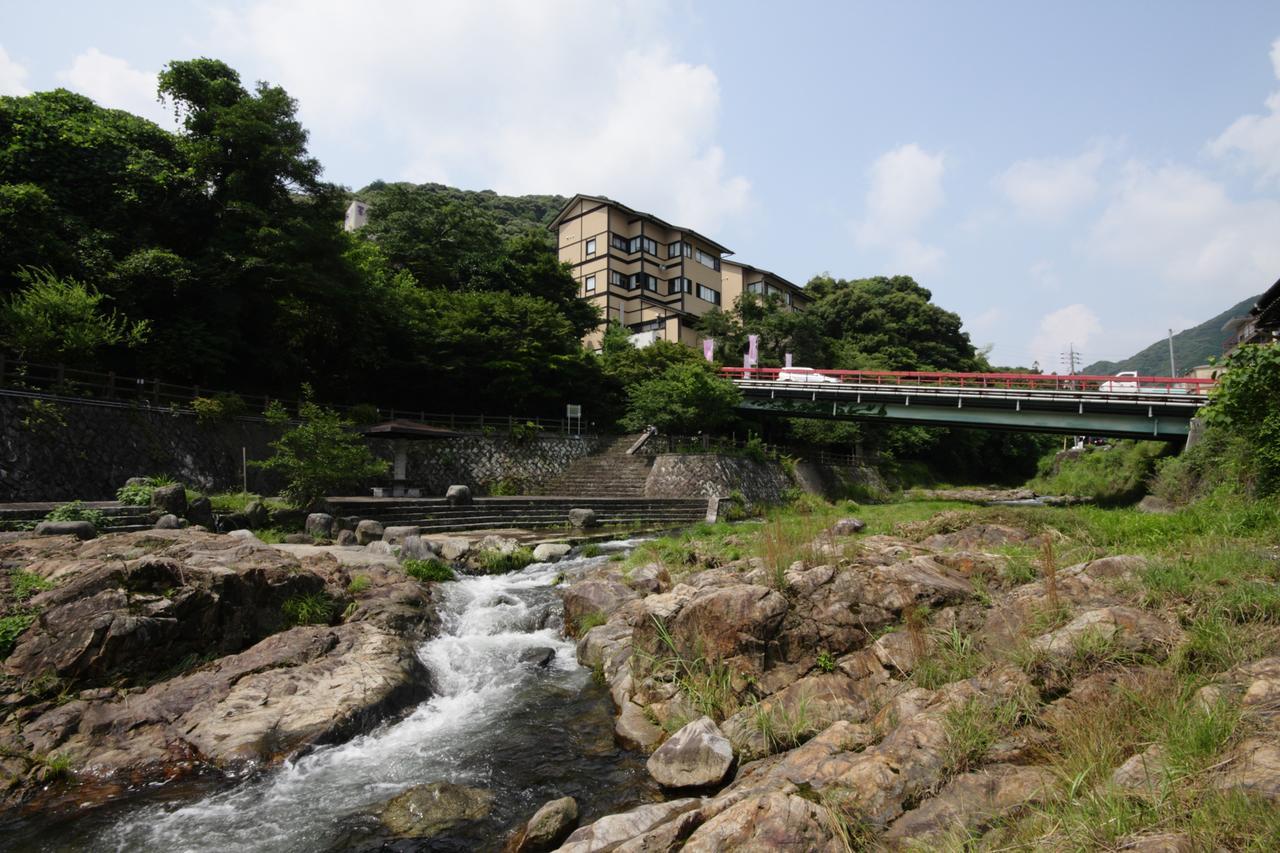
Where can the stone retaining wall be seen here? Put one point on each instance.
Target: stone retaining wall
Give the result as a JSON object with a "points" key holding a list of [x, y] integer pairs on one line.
{"points": [[489, 463], [67, 451], [687, 475]]}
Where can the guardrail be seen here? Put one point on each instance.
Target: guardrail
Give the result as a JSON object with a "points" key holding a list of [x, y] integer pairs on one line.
{"points": [[58, 382], [1001, 381]]}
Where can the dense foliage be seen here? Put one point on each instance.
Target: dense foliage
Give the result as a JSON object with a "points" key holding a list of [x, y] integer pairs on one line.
{"points": [[321, 455]]}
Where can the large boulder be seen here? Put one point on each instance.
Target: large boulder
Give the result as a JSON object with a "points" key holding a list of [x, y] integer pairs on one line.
{"points": [[547, 828], [258, 514], [594, 597], [774, 821], [200, 511], [550, 552], [427, 810], [458, 495], [78, 529], [168, 521], [848, 527], [582, 517], [696, 756], [414, 547], [319, 525], [396, 534], [368, 531], [172, 498], [609, 833]]}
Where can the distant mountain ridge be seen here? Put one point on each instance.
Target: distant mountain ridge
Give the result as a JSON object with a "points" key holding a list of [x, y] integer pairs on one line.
{"points": [[1191, 347]]}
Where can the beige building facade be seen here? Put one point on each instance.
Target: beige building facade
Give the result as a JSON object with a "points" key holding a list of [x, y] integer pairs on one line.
{"points": [[653, 277]]}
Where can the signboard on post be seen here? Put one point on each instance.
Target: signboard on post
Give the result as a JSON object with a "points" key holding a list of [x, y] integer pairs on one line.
{"points": [[572, 411]]}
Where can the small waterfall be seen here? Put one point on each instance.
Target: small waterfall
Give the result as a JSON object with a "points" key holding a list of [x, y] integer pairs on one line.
{"points": [[525, 733]]}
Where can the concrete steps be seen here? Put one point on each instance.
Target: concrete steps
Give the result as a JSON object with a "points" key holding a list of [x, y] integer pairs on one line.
{"points": [[609, 473], [434, 515], [119, 518]]}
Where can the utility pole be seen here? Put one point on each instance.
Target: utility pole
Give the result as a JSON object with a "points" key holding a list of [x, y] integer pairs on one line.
{"points": [[1071, 359], [1173, 369]]}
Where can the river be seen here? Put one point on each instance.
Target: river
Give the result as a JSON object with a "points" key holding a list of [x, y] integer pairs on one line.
{"points": [[527, 734]]}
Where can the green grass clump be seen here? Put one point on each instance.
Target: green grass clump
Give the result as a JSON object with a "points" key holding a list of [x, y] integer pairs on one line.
{"points": [[973, 727], [953, 657], [314, 608], [27, 584], [1111, 474], [495, 562], [11, 628], [428, 570], [589, 621], [77, 511], [826, 661], [359, 584], [591, 549]]}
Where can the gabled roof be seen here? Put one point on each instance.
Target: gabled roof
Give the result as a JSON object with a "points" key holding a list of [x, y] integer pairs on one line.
{"points": [[564, 212], [1267, 300], [772, 275], [402, 428]]}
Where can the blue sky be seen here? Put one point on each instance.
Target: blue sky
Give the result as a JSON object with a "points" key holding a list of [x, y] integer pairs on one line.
{"points": [[1090, 173]]}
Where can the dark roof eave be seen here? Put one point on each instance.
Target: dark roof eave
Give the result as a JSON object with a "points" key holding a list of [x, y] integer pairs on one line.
{"points": [[555, 223]]}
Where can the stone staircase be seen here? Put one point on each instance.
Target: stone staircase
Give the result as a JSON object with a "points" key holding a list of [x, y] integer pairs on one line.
{"points": [[435, 515], [609, 473], [119, 518]]}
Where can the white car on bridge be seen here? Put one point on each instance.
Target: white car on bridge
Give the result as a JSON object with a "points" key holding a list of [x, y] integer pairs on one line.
{"points": [[805, 374]]}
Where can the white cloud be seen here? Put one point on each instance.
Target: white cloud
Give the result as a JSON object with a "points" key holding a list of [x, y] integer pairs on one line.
{"points": [[1253, 141], [12, 76], [1187, 237], [1073, 325], [1050, 188], [906, 189], [113, 82], [560, 96], [1045, 276]]}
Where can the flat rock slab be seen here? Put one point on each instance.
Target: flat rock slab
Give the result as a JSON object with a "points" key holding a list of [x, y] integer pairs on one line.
{"points": [[427, 810], [346, 555]]}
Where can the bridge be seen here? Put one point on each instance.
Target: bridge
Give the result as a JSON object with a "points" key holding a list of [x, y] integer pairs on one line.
{"points": [[1150, 407]]}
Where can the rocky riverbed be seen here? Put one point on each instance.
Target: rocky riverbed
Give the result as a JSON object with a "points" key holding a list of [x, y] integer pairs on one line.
{"points": [[886, 691]]}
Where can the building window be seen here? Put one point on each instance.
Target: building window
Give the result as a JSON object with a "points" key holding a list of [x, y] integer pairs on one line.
{"points": [[706, 294], [643, 280], [650, 246], [589, 283], [615, 277], [591, 247], [619, 242], [680, 285], [755, 287], [706, 260]]}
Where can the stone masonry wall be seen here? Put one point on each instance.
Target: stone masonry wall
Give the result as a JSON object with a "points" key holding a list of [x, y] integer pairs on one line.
{"points": [[68, 451], [483, 462], [688, 475]]}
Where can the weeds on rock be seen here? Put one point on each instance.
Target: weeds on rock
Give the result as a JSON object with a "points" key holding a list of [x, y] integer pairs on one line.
{"points": [[973, 727], [783, 729], [954, 657], [359, 584], [591, 549], [431, 571], [590, 620], [708, 685], [77, 511], [11, 628], [314, 608], [494, 562], [826, 661], [27, 584]]}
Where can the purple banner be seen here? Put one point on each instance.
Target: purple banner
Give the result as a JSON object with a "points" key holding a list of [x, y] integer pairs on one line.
{"points": [[708, 349], [753, 348]]}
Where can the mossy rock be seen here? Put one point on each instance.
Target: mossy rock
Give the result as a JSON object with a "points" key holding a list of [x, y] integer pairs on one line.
{"points": [[426, 810]]}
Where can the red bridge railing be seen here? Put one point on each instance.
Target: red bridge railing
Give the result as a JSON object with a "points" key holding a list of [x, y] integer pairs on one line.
{"points": [[994, 381]]}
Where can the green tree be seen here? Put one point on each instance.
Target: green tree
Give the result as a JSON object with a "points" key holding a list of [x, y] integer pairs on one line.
{"points": [[55, 319], [685, 398], [322, 455], [1246, 403]]}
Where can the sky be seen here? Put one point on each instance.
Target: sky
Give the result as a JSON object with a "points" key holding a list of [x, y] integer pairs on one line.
{"points": [[1086, 174]]}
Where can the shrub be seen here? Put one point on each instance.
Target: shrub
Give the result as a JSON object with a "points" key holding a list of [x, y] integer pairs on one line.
{"points": [[321, 456], [139, 494], [363, 413], [314, 608], [504, 487], [591, 549], [359, 584], [219, 407], [1245, 403], [77, 511], [755, 450], [826, 661], [428, 570]]}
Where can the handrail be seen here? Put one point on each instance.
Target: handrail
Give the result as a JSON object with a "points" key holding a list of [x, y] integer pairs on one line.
{"points": [[1026, 381]]}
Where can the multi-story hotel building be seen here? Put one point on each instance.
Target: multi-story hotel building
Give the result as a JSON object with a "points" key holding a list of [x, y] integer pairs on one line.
{"points": [[653, 277]]}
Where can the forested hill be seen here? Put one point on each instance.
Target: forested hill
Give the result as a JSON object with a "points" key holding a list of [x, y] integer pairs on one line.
{"points": [[513, 215], [1191, 347]]}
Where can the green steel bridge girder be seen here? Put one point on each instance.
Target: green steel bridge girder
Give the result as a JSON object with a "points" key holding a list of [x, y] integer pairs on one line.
{"points": [[1168, 427]]}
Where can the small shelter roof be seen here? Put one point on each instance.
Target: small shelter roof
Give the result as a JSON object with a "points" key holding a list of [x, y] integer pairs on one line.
{"points": [[402, 428]]}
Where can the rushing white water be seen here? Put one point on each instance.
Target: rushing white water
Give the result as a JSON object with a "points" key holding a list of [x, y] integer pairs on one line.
{"points": [[485, 700]]}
